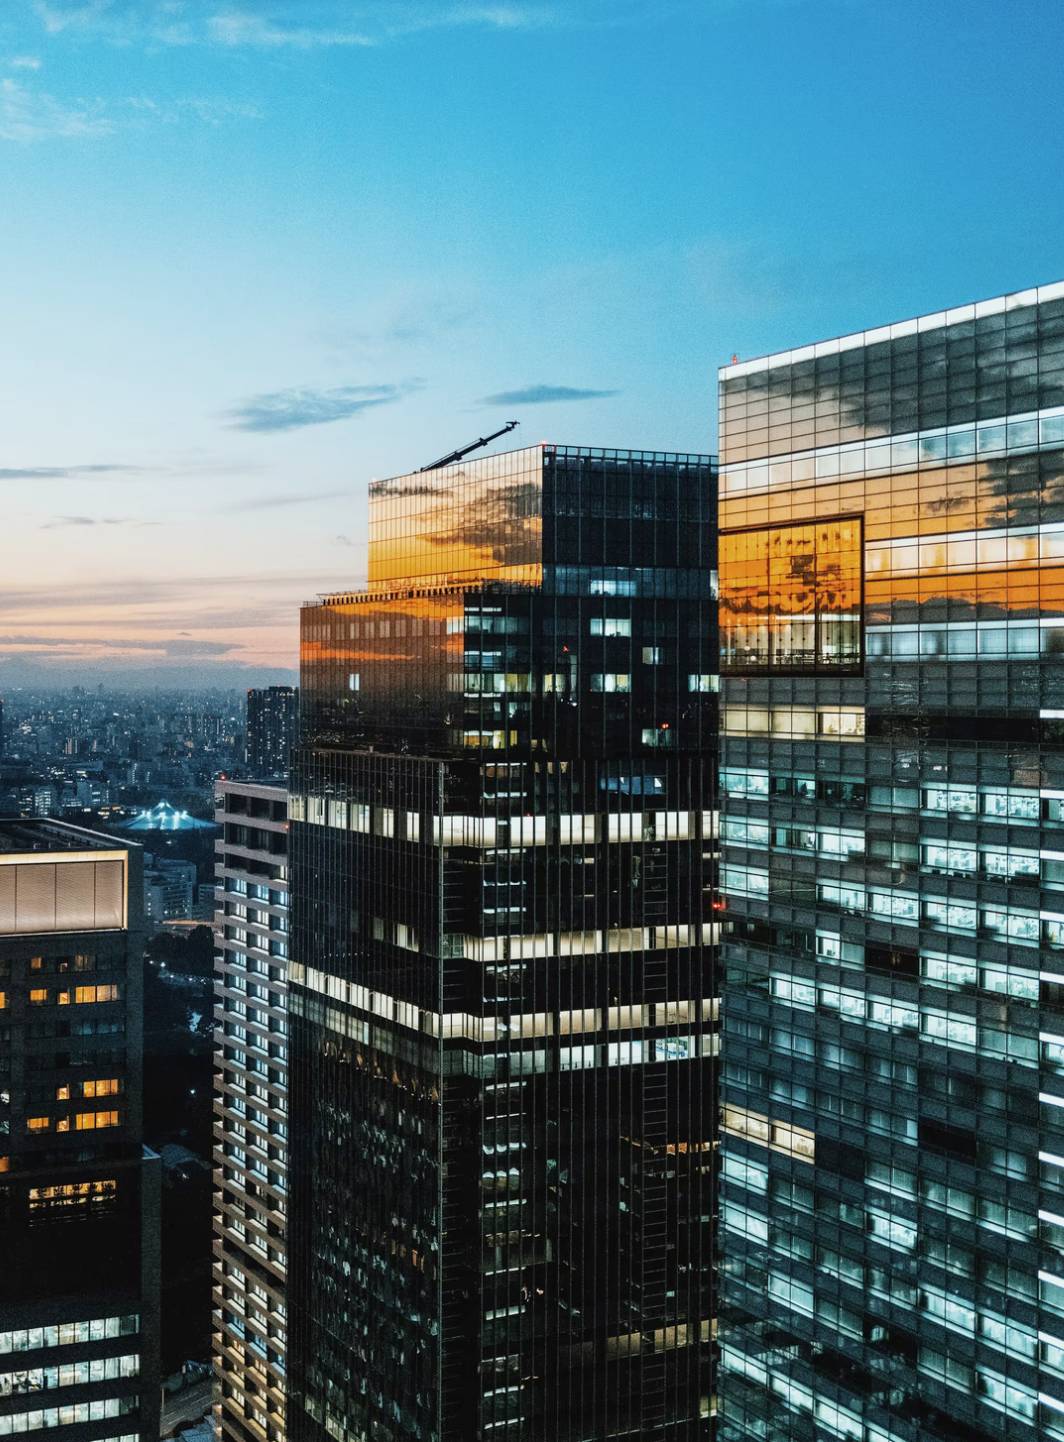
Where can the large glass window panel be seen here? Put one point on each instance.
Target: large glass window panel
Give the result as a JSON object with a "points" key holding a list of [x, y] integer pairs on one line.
{"points": [[791, 598]]}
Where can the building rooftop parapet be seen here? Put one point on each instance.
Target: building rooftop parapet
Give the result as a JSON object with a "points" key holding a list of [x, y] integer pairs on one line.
{"points": [[413, 593], [22, 836], [936, 320], [591, 452]]}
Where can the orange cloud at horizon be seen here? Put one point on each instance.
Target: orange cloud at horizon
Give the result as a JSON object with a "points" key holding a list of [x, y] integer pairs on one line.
{"points": [[235, 620]]}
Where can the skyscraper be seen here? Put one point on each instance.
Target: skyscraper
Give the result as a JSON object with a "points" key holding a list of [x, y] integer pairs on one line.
{"points": [[272, 728], [250, 1109], [892, 638], [79, 1196], [501, 993]]}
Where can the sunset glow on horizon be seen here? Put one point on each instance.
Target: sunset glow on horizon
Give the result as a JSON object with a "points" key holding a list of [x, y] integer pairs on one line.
{"points": [[257, 257]]}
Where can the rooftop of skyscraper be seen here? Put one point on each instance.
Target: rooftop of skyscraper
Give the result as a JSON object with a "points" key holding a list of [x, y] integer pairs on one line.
{"points": [[478, 520]]}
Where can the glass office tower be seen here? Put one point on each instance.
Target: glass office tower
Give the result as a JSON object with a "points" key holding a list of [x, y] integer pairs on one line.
{"points": [[79, 1193], [501, 989], [892, 818]]}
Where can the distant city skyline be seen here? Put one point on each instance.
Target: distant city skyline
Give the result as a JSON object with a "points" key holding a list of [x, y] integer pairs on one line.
{"points": [[258, 253]]}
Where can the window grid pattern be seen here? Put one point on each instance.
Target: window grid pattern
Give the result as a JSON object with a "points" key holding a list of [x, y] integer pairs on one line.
{"points": [[78, 1193], [251, 1110], [502, 1052], [890, 982]]}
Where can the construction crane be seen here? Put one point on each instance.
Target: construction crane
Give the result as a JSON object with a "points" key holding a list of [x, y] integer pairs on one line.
{"points": [[452, 456]]}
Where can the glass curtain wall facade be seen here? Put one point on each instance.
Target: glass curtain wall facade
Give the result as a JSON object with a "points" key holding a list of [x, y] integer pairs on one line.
{"points": [[892, 785], [501, 988], [79, 1194], [250, 1110]]}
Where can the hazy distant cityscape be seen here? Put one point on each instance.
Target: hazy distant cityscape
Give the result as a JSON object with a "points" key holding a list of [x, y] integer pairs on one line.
{"points": [[143, 764], [109, 750], [106, 751]]}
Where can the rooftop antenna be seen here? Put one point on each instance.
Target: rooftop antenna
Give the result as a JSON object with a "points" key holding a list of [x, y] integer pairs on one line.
{"points": [[452, 456]]}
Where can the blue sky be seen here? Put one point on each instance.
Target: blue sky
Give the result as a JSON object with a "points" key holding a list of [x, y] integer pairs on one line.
{"points": [[254, 254]]}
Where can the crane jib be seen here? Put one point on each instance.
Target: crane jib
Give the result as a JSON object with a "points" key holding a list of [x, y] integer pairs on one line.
{"points": [[453, 456]]}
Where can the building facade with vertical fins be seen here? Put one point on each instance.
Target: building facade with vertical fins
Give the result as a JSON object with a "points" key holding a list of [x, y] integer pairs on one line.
{"points": [[501, 984], [79, 1194], [892, 835], [250, 1110]]}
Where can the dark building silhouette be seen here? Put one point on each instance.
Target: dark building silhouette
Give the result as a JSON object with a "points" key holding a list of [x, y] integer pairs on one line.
{"points": [[250, 1109], [892, 829], [79, 1195], [501, 993], [272, 727]]}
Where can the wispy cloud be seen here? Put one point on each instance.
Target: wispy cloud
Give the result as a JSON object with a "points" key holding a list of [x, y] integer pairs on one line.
{"points": [[205, 108], [542, 395], [183, 647], [67, 473], [20, 641], [27, 114], [241, 28], [24, 62], [292, 409], [410, 19], [151, 610], [194, 466], [305, 25], [420, 315], [58, 523], [273, 503], [293, 24], [397, 18], [59, 15], [254, 612]]}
